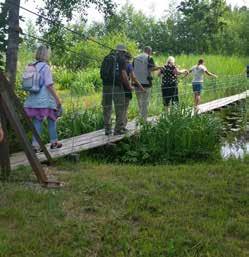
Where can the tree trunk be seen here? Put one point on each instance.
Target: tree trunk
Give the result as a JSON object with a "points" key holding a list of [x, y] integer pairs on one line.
{"points": [[13, 40]]}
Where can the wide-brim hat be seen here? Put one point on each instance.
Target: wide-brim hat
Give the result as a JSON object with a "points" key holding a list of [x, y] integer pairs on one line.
{"points": [[121, 48]]}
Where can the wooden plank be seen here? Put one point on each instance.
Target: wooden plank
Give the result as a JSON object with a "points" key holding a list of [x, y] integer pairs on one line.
{"points": [[216, 104], [84, 143], [97, 138]]}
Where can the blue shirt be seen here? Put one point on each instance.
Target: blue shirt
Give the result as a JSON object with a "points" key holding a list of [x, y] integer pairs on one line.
{"points": [[129, 69]]}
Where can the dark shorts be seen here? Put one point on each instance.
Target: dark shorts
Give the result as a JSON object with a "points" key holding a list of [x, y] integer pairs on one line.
{"points": [[170, 94], [197, 87]]}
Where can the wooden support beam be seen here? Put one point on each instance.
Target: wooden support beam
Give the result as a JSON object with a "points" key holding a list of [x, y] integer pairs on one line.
{"points": [[29, 122], [18, 128], [4, 147], [8, 108]]}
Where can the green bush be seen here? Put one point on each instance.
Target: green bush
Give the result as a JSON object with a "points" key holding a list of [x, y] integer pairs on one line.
{"points": [[64, 78], [77, 123], [83, 82], [177, 137]]}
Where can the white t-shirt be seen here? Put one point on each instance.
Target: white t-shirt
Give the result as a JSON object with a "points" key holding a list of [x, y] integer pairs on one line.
{"points": [[198, 72]]}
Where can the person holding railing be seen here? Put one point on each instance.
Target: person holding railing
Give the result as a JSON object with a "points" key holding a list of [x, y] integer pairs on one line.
{"points": [[144, 65], [133, 83], [170, 73], [198, 71]]}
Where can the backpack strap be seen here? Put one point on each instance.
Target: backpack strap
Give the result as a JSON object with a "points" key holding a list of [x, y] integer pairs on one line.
{"points": [[35, 63], [42, 67]]}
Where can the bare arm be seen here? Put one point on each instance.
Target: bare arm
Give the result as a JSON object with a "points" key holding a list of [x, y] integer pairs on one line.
{"points": [[125, 79], [180, 72], [155, 69], [54, 94], [211, 74]]}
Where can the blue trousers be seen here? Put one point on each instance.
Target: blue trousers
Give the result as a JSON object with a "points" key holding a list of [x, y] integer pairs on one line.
{"points": [[51, 130]]}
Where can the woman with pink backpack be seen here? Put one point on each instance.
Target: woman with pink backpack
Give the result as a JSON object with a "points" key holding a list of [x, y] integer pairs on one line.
{"points": [[43, 101]]}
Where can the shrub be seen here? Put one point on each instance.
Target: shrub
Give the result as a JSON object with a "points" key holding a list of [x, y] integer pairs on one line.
{"points": [[83, 82], [64, 78], [77, 123], [177, 137]]}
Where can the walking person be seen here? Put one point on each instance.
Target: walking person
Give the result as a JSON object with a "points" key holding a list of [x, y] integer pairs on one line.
{"points": [[44, 104], [144, 65], [115, 79], [198, 72], [133, 81], [170, 74]]}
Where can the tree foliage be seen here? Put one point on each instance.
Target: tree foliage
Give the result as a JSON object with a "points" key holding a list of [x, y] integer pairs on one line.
{"points": [[195, 26]]}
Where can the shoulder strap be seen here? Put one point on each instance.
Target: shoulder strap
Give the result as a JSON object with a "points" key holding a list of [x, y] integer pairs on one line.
{"points": [[42, 67]]}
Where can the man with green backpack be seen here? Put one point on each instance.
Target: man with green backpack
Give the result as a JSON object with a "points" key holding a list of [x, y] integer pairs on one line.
{"points": [[114, 77]]}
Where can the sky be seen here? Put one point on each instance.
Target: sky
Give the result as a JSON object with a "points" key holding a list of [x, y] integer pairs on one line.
{"points": [[156, 8]]}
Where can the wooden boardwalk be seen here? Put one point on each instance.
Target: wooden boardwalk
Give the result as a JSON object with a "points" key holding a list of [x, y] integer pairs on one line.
{"points": [[219, 103], [97, 138]]}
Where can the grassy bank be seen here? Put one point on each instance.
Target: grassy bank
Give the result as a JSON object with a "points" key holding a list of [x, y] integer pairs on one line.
{"points": [[108, 210]]}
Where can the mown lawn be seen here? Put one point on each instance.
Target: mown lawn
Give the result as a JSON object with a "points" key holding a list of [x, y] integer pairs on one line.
{"points": [[111, 210]]}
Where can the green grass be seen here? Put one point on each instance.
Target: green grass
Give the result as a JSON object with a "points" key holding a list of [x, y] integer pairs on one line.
{"points": [[222, 65], [111, 210]]}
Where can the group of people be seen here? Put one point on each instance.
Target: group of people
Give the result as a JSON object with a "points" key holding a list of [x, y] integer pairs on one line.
{"points": [[120, 75]]}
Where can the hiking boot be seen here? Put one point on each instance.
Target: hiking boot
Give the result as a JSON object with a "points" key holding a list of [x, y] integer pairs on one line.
{"points": [[125, 130], [121, 132], [108, 132]]}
